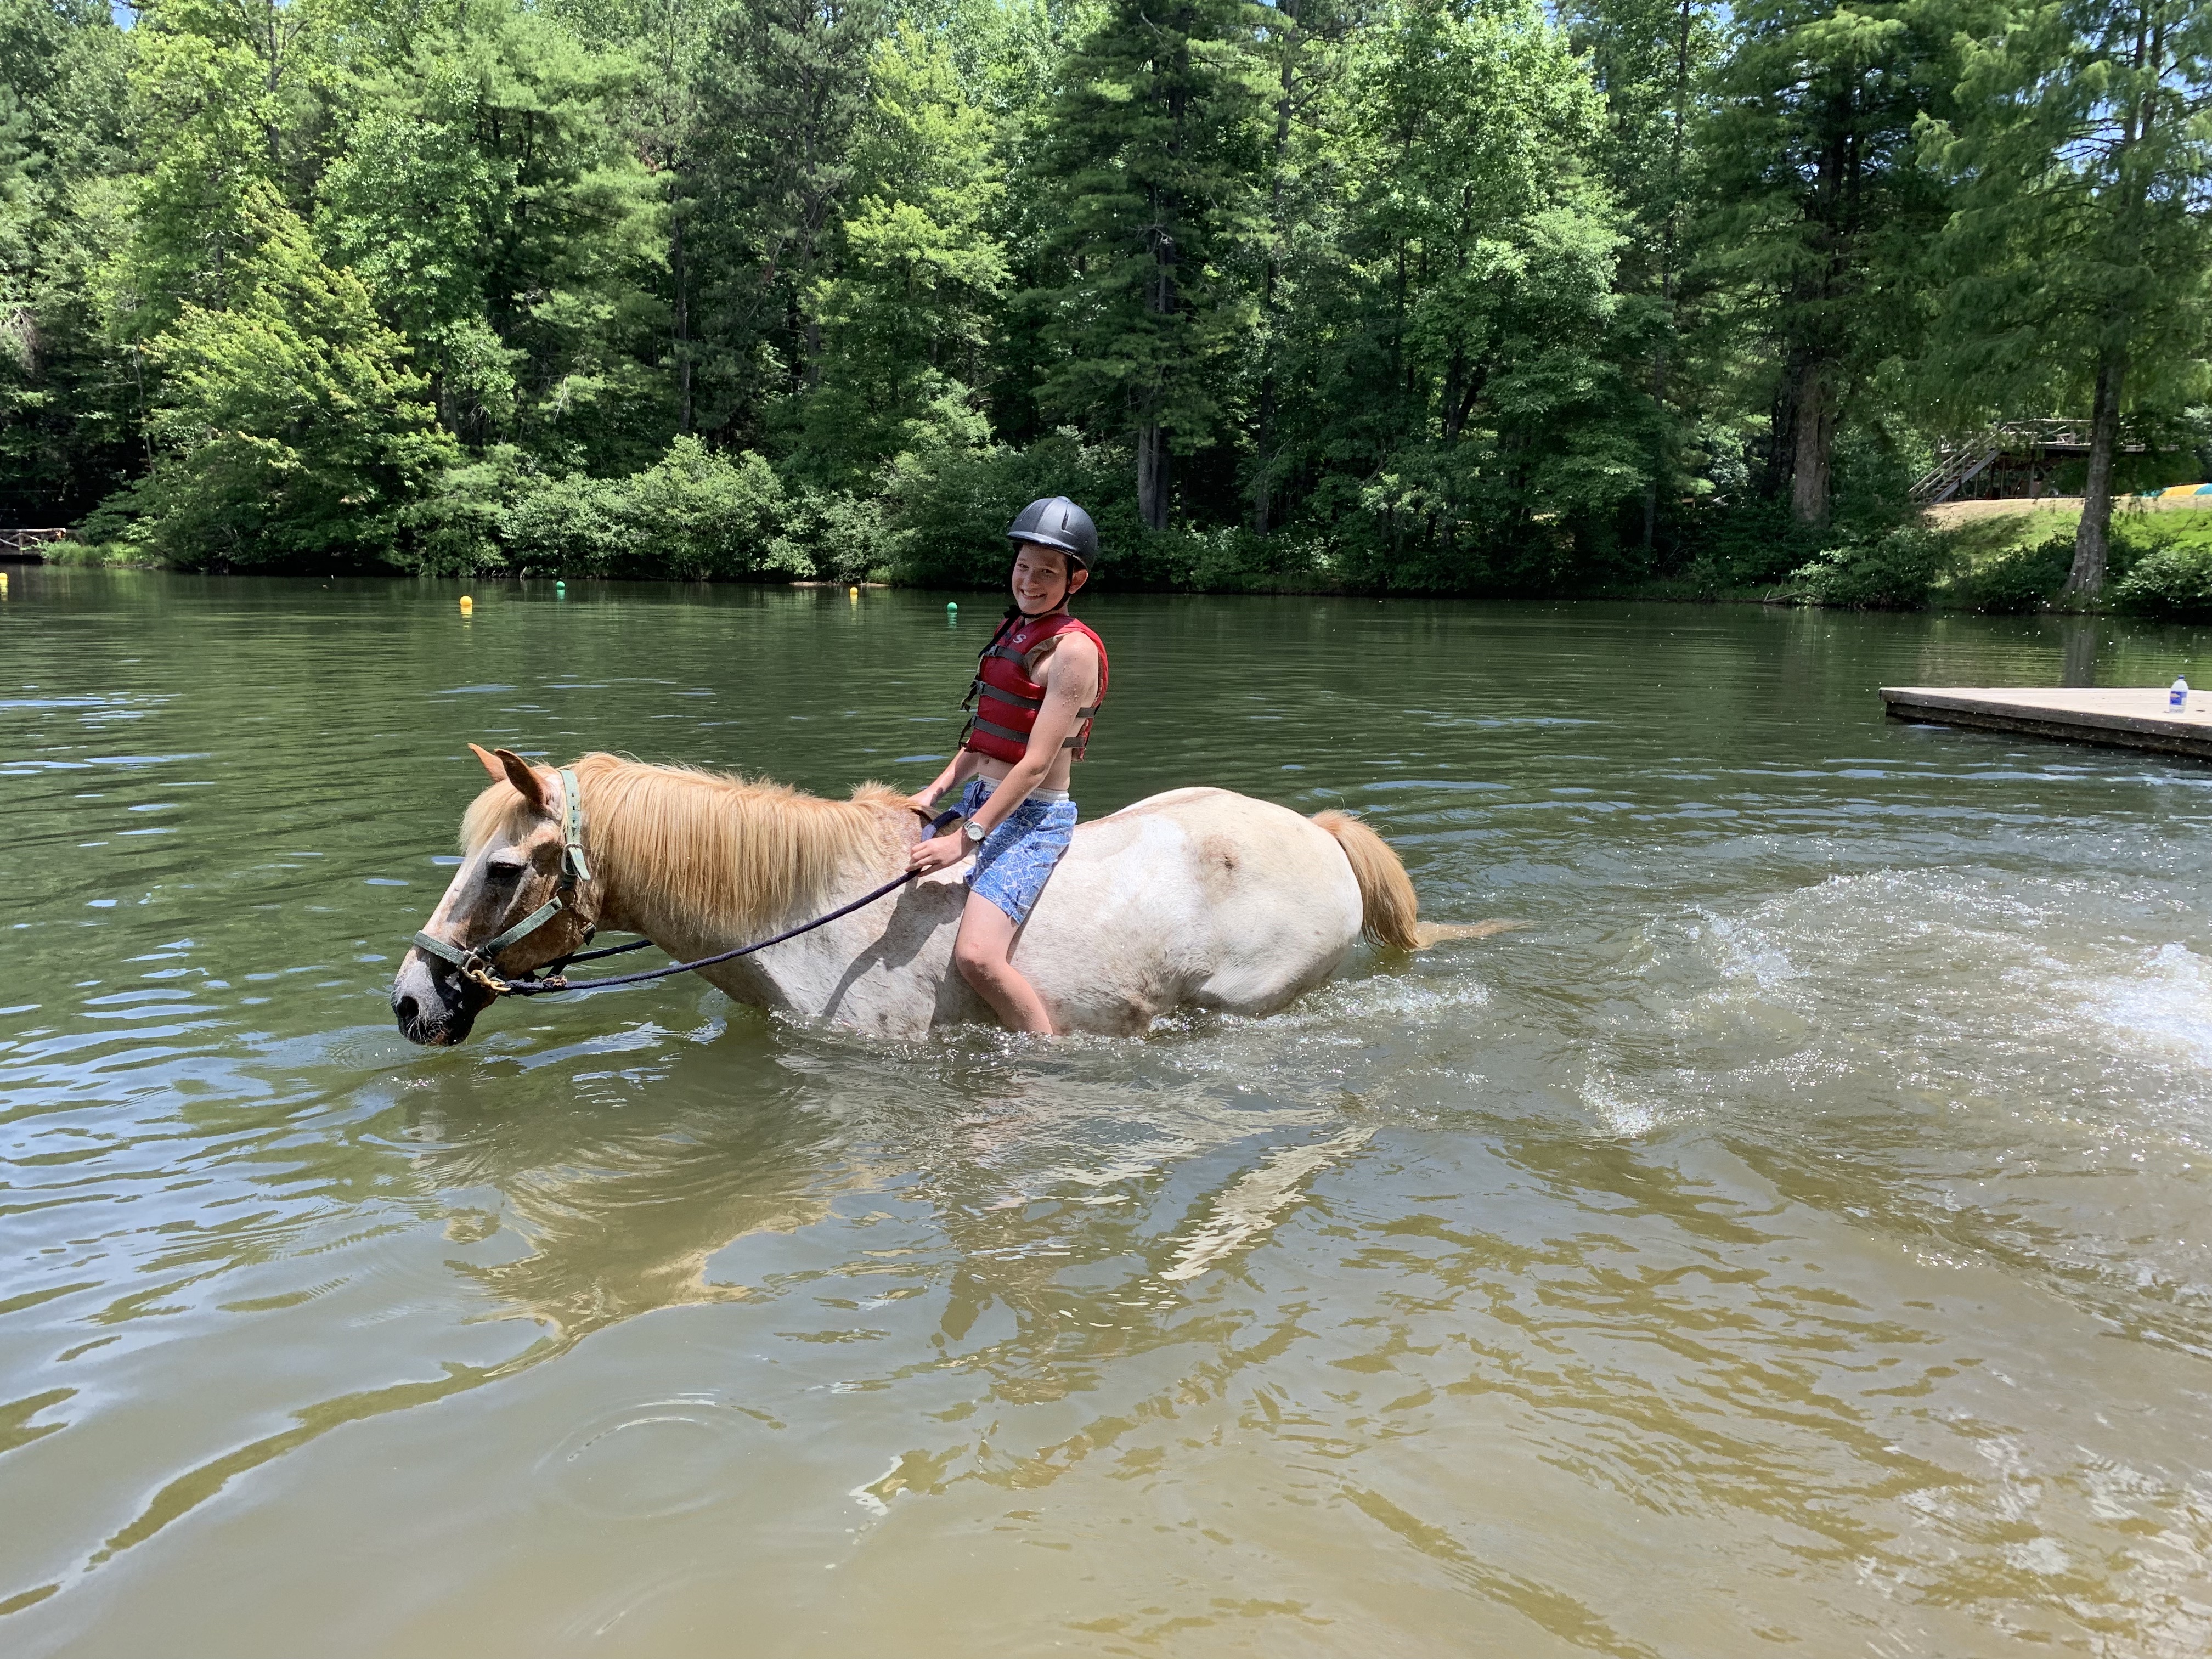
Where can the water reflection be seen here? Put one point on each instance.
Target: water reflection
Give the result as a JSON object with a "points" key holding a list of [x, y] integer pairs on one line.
{"points": [[2078, 650]]}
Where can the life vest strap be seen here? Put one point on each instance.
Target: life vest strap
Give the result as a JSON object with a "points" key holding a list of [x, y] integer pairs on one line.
{"points": [[1021, 701], [979, 724], [1015, 697]]}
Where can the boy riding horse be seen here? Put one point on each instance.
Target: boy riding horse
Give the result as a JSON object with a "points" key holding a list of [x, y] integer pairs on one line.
{"points": [[1038, 684]]}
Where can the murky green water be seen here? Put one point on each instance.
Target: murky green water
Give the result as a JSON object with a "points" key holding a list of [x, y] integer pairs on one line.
{"points": [[1798, 1236]]}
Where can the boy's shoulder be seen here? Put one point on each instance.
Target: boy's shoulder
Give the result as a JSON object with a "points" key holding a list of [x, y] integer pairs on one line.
{"points": [[1076, 644]]}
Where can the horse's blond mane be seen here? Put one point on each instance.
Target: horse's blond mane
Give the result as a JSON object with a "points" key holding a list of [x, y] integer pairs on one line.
{"points": [[725, 852]]}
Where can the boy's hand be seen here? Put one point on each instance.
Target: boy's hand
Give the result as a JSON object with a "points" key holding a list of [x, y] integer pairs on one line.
{"points": [[938, 852]]}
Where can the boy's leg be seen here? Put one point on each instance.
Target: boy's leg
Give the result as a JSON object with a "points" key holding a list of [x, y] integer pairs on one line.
{"points": [[985, 942]]}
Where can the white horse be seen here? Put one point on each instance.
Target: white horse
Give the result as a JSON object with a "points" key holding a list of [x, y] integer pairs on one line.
{"points": [[1198, 897]]}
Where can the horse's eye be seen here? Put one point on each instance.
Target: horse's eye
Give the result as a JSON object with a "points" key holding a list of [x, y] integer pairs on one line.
{"points": [[503, 870]]}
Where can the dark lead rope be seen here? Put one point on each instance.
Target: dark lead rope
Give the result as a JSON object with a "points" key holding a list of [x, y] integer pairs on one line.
{"points": [[554, 982]]}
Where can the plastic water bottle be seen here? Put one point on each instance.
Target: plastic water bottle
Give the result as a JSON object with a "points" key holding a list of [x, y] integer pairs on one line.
{"points": [[2177, 698]]}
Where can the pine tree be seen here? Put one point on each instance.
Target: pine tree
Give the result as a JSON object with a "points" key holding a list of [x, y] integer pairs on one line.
{"points": [[491, 204], [665, 115], [68, 407], [1459, 370], [1652, 60], [1303, 48], [907, 319], [1818, 205], [2084, 235], [788, 89], [1154, 149]]}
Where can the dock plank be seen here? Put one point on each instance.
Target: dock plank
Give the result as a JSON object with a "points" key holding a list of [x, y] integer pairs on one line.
{"points": [[2121, 716]]}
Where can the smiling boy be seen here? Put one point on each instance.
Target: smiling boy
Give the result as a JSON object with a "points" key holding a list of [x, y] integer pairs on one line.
{"points": [[1038, 684]]}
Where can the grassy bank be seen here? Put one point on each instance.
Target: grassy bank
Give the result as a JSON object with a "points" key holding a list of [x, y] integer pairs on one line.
{"points": [[2160, 562]]}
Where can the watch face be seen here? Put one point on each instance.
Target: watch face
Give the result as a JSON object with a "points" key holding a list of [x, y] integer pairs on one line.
{"points": [[974, 832]]}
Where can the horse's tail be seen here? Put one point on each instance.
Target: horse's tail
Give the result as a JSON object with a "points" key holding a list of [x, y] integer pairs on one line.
{"points": [[1389, 914]]}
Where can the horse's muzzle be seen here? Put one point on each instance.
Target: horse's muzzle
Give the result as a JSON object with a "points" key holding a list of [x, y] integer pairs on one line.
{"points": [[432, 1009]]}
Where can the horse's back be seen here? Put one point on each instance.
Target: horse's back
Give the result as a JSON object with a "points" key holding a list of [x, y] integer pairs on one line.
{"points": [[1196, 896]]}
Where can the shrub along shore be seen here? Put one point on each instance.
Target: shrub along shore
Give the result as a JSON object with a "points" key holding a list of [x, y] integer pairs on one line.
{"points": [[2000, 562]]}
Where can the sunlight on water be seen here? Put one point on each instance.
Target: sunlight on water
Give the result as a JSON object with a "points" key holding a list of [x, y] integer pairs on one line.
{"points": [[2164, 1005], [1796, 1234]]}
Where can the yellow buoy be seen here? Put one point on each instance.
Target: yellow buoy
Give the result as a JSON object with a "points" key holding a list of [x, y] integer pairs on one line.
{"points": [[467, 604], [3, 584]]}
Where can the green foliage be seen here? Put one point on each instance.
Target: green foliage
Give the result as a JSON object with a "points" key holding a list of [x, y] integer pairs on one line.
{"points": [[1896, 570], [1464, 405], [907, 320], [1819, 216], [948, 509], [66, 403], [290, 427], [505, 226], [694, 514], [1746, 545], [1400, 295], [783, 97], [1152, 151], [2081, 253], [2172, 580], [2018, 579]]}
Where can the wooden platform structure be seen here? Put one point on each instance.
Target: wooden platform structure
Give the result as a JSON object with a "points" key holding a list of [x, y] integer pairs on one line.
{"points": [[2014, 461], [2120, 716], [23, 545]]}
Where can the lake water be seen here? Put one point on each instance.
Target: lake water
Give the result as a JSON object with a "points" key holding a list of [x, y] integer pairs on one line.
{"points": [[1798, 1237]]}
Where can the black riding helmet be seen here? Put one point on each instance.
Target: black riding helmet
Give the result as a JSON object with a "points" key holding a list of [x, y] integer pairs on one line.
{"points": [[1056, 522]]}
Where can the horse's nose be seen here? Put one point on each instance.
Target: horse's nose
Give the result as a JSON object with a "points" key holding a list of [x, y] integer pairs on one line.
{"points": [[409, 1010]]}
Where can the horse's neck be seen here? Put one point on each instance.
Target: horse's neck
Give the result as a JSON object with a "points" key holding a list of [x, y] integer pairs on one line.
{"points": [[630, 905]]}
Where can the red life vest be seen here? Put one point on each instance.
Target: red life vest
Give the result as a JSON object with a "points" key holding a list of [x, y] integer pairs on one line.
{"points": [[1010, 699]]}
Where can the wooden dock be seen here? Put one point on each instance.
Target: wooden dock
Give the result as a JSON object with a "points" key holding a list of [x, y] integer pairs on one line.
{"points": [[2123, 716]]}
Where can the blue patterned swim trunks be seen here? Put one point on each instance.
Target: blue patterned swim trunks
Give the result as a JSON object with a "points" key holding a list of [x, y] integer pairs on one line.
{"points": [[1016, 858]]}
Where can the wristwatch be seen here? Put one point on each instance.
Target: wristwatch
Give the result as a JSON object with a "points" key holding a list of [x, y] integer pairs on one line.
{"points": [[975, 832]]}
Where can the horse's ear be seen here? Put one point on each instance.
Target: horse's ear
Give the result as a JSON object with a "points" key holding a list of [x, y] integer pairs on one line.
{"points": [[490, 762], [517, 771]]}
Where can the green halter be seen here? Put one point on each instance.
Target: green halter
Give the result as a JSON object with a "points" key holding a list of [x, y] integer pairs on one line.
{"points": [[476, 962]]}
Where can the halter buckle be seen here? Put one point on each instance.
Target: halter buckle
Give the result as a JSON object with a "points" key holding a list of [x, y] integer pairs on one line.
{"points": [[476, 971]]}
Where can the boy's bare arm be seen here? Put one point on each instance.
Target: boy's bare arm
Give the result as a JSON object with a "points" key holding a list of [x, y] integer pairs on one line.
{"points": [[964, 765]]}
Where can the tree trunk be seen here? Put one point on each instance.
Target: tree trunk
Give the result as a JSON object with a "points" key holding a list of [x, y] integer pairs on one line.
{"points": [[2092, 536], [1263, 488], [1659, 459], [1814, 439], [683, 325], [1152, 476]]}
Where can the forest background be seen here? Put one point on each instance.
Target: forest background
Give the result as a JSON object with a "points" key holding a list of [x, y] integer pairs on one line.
{"points": [[1423, 296]]}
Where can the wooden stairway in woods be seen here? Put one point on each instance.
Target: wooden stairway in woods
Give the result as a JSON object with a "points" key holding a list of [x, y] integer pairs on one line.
{"points": [[1961, 461], [1954, 467]]}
